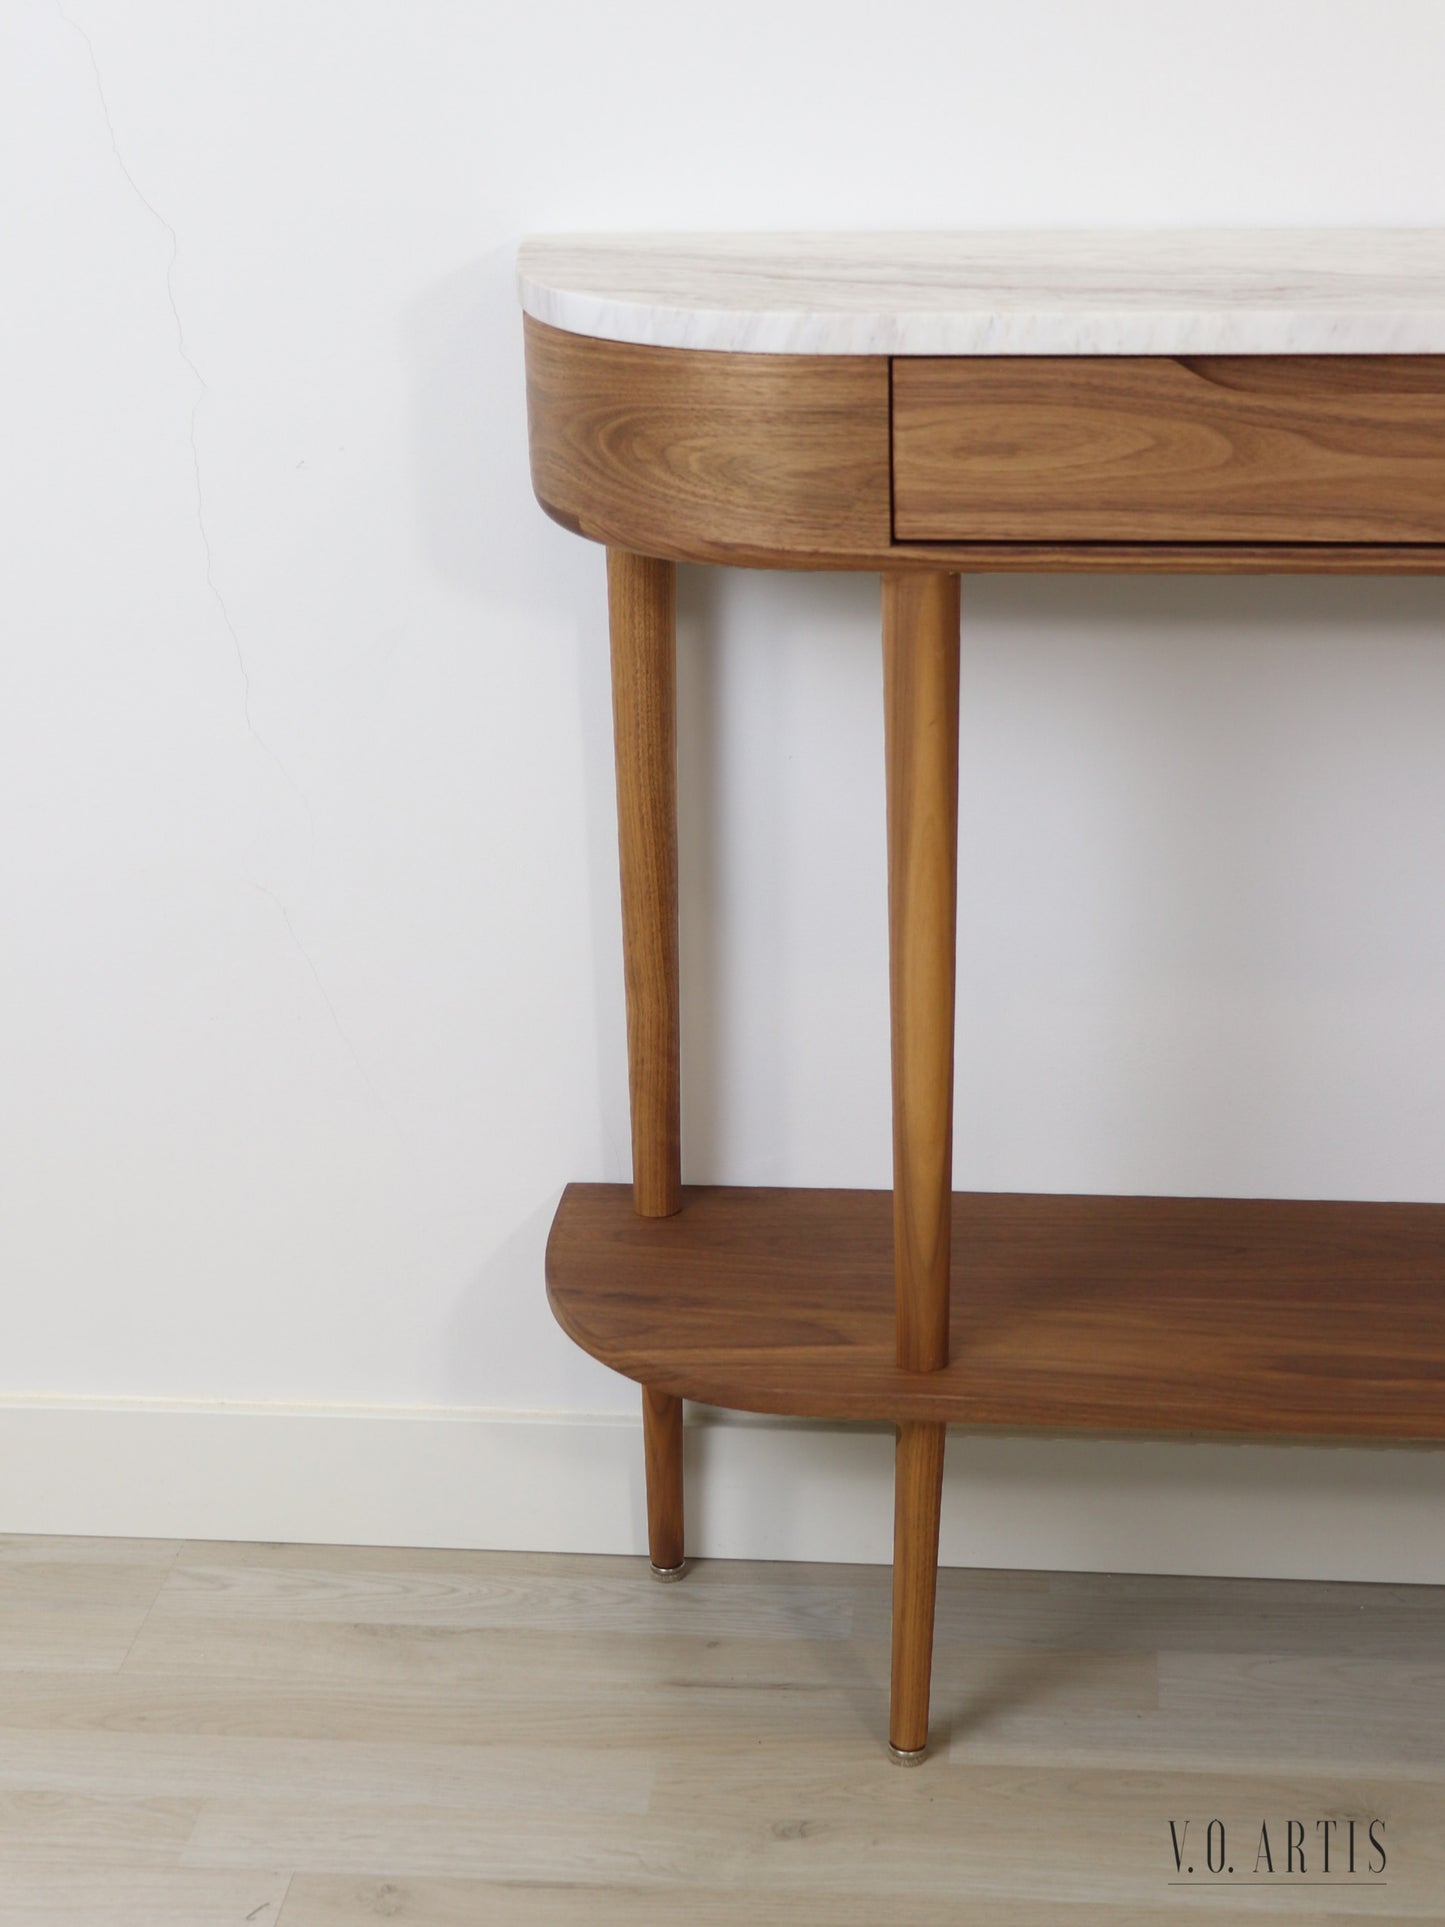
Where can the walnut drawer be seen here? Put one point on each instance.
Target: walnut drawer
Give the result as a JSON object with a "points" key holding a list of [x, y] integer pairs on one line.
{"points": [[1313, 448]]}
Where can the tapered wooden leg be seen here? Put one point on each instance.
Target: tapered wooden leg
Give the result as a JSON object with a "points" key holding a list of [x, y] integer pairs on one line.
{"points": [[641, 607], [641, 603], [920, 720], [662, 1444], [917, 1494], [920, 708]]}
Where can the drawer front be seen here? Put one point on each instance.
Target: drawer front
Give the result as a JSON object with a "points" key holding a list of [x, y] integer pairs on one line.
{"points": [[1314, 448]]}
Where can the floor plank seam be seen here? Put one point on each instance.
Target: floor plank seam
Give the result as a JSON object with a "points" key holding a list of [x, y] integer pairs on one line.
{"points": [[165, 1580]]}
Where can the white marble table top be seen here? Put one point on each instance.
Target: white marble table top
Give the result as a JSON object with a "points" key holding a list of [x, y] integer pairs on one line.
{"points": [[1184, 292]]}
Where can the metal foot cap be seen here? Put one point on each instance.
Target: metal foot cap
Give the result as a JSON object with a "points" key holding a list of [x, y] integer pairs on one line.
{"points": [[905, 1756], [669, 1572]]}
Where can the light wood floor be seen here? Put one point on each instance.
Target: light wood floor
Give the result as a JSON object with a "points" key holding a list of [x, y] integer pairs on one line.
{"points": [[193, 1735]]}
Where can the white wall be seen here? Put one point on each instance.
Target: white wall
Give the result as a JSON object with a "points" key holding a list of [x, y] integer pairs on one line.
{"points": [[310, 995]]}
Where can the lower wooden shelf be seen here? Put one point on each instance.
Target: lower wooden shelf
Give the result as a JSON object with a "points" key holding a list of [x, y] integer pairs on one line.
{"points": [[1203, 1316]]}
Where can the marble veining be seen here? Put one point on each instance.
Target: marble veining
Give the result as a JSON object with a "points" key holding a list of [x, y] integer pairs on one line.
{"points": [[1108, 292]]}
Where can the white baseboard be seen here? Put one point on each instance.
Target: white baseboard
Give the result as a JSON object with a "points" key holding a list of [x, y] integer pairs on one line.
{"points": [[757, 1489]]}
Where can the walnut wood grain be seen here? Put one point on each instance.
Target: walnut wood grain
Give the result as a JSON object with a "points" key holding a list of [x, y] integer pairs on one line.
{"points": [[710, 457], [917, 1504], [783, 461], [662, 1464], [641, 601], [1299, 449], [1200, 1316], [920, 724], [1163, 558], [641, 598]]}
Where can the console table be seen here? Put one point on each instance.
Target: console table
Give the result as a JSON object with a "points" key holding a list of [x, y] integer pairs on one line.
{"points": [[926, 406]]}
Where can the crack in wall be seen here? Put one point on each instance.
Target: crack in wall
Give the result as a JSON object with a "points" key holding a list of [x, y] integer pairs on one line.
{"points": [[325, 995], [202, 390]]}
